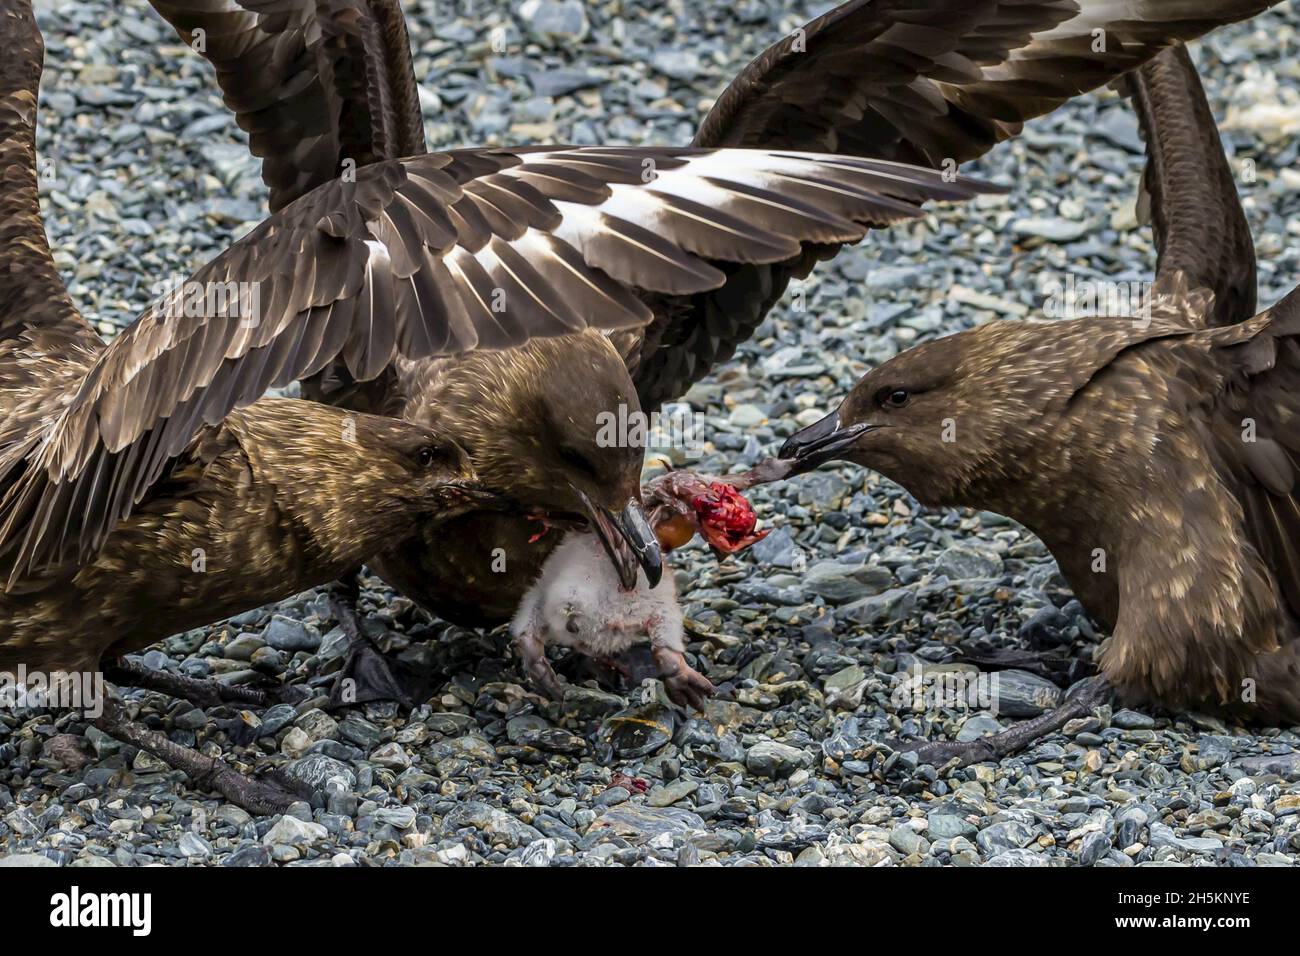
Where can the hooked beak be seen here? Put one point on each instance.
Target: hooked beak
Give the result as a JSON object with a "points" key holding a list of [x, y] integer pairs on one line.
{"points": [[821, 442], [629, 540]]}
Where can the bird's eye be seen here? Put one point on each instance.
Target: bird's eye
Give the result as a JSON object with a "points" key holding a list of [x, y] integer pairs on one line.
{"points": [[426, 456], [892, 397]]}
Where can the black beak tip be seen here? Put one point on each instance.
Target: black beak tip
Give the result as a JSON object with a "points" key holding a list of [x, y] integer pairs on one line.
{"points": [[644, 543], [652, 563]]}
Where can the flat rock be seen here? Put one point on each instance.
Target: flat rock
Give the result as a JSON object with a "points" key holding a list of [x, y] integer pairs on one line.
{"points": [[640, 824]]}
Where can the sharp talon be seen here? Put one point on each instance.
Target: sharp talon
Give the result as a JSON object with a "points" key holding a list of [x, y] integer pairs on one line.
{"points": [[687, 687], [368, 675], [293, 785], [683, 683], [532, 658], [292, 694]]}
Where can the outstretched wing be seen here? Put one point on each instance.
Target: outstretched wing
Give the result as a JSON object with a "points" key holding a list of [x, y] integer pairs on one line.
{"points": [[34, 304], [312, 82], [426, 256], [931, 82], [1202, 237], [922, 81]]}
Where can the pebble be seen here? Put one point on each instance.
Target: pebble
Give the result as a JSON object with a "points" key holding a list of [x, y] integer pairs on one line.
{"points": [[285, 634], [772, 759], [294, 832], [962, 562], [840, 583], [671, 793], [639, 825], [1052, 229]]}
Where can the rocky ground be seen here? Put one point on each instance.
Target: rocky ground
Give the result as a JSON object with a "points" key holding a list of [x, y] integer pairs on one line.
{"points": [[805, 634]]}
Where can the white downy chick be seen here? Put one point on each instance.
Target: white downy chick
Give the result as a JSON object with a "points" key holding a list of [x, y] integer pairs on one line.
{"points": [[576, 602]]}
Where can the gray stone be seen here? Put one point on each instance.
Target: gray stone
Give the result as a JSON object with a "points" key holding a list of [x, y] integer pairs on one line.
{"points": [[290, 831], [888, 607], [771, 759], [315, 769], [671, 793], [1000, 837], [840, 583], [1019, 858], [1286, 766], [391, 755], [556, 22], [777, 550], [962, 562], [946, 826], [1052, 229], [678, 64], [1022, 694], [977, 726], [285, 634], [907, 841], [641, 824], [1132, 720]]}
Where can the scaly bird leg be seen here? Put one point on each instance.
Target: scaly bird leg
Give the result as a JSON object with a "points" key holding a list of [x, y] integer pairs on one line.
{"points": [[206, 772], [202, 693], [1078, 703]]}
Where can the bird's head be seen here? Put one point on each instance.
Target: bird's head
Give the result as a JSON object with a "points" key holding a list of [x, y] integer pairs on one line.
{"points": [[419, 469], [947, 417], [555, 424]]}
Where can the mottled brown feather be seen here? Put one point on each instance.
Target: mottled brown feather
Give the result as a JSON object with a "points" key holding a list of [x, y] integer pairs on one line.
{"points": [[312, 82]]}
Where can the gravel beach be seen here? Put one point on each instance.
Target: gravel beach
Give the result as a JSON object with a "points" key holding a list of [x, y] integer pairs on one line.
{"points": [[810, 635]]}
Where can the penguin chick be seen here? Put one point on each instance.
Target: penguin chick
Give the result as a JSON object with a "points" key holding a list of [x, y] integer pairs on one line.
{"points": [[577, 602]]}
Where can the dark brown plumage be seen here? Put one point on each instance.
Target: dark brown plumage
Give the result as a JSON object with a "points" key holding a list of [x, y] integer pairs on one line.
{"points": [[878, 79], [147, 488], [1157, 457]]}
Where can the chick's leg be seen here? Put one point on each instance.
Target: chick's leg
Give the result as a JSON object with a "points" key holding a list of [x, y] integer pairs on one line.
{"points": [[532, 649], [684, 685]]}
